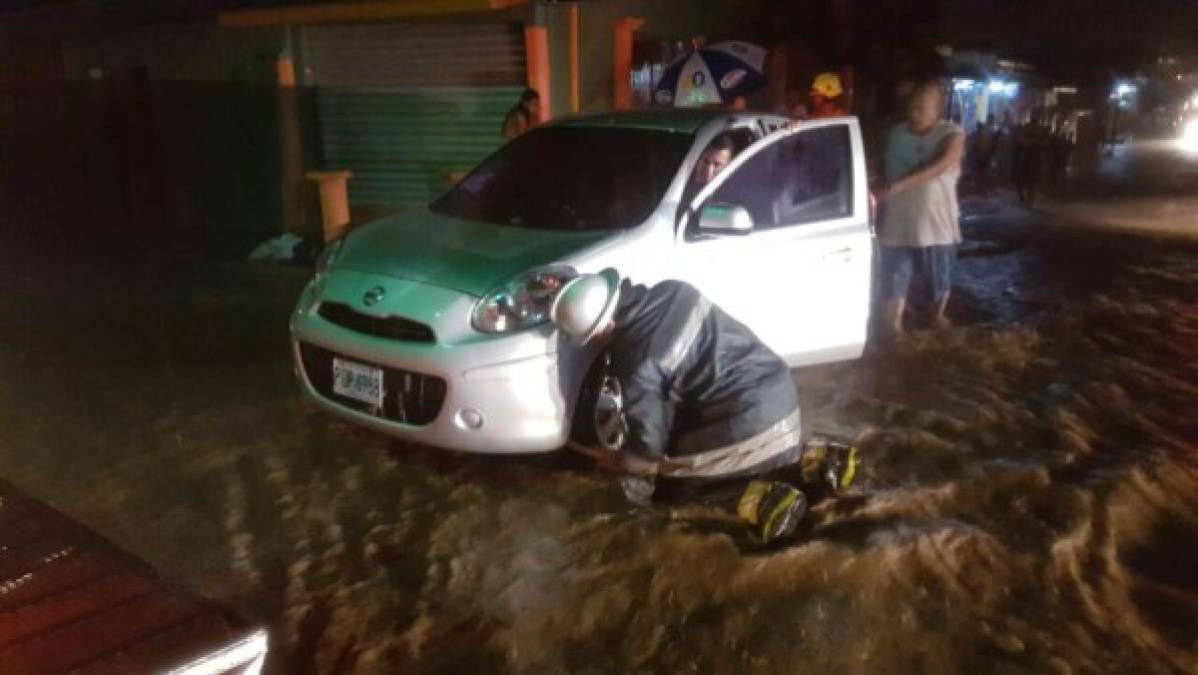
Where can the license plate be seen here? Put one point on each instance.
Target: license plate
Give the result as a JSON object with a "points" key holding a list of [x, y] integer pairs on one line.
{"points": [[358, 381]]}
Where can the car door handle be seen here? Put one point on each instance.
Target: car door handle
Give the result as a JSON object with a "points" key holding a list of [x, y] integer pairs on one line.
{"points": [[840, 255]]}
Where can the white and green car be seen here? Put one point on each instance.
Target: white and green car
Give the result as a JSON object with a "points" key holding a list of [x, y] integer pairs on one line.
{"points": [[432, 326]]}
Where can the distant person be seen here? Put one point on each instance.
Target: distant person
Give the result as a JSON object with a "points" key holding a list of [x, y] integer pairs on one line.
{"points": [[523, 116], [827, 96], [920, 231], [795, 107], [981, 153], [1061, 151], [1029, 147]]}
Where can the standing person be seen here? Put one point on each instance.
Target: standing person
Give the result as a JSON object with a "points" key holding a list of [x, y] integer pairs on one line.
{"points": [[1026, 158], [988, 147], [707, 406], [981, 152], [826, 96], [920, 229], [523, 116]]}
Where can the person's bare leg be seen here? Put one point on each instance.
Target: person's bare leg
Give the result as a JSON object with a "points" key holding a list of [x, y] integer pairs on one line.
{"points": [[893, 316], [940, 319]]}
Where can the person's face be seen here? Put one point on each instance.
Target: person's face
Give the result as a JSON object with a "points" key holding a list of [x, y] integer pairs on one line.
{"points": [[924, 108], [533, 106], [710, 164]]}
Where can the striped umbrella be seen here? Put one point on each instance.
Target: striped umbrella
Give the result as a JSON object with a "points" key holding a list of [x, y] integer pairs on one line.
{"points": [[714, 74]]}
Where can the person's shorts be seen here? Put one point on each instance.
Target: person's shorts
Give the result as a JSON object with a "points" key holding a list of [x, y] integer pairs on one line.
{"points": [[934, 264]]}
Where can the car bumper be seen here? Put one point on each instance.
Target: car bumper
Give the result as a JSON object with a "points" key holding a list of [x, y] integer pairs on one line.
{"points": [[514, 407], [505, 394]]}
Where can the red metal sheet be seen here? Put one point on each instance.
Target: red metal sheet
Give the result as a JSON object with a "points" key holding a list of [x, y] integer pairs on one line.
{"points": [[71, 601]]}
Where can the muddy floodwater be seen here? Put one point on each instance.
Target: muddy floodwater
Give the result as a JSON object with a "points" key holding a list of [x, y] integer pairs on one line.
{"points": [[1032, 495]]}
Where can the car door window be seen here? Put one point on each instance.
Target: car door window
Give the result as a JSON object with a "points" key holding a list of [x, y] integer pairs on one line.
{"points": [[804, 178]]}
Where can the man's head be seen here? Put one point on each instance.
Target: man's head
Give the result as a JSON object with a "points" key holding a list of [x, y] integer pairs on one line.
{"points": [[923, 110], [530, 100], [715, 158]]}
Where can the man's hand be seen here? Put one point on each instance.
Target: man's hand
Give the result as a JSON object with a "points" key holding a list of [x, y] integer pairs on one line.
{"points": [[894, 188], [609, 462]]}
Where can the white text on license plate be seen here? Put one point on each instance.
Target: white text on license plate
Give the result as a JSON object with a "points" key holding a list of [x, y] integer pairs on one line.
{"points": [[358, 381]]}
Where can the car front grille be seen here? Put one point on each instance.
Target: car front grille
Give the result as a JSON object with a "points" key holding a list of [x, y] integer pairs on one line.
{"points": [[410, 398], [391, 327]]}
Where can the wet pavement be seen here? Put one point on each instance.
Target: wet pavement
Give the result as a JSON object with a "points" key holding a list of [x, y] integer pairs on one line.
{"points": [[1032, 503]]}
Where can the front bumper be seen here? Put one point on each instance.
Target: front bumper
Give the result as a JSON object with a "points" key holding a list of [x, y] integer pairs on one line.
{"points": [[502, 394]]}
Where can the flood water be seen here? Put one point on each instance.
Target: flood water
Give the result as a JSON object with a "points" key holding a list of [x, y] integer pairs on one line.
{"points": [[1032, 500]]}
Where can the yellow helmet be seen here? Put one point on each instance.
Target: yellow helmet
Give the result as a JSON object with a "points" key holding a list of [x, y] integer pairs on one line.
{"points": [[826, 85]]}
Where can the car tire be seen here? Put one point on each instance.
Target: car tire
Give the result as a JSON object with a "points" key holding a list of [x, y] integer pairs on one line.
{"points": [[599, 416]]}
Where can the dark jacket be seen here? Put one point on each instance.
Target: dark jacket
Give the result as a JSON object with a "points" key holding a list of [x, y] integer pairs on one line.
{"points": [[703, 396]]}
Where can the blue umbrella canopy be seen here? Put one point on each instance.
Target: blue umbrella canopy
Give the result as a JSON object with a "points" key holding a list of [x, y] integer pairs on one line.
{"points": [[714, 74]]}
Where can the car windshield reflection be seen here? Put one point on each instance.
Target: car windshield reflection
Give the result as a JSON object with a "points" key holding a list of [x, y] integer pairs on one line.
{"points": [[571, 179]]}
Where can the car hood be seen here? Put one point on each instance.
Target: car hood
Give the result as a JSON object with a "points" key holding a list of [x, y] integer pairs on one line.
{"points": [[465, 256]]}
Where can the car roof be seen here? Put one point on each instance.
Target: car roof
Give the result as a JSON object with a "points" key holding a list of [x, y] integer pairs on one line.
{"points": [[687, 120]]}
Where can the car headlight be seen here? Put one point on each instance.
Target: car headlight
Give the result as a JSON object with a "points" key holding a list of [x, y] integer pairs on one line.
{"points": [[523, 302]]}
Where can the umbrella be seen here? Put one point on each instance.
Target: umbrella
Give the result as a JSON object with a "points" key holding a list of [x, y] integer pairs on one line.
{"points": [[713, 74]]}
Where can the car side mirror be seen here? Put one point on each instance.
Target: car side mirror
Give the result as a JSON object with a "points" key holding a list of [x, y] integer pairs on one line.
{"points": [[725, 220]]}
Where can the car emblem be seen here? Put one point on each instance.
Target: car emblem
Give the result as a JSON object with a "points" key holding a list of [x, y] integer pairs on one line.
{"points": [[373, 296]]}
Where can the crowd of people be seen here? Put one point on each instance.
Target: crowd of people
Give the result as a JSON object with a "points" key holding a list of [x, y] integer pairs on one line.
{"points": [[1031, 152]]}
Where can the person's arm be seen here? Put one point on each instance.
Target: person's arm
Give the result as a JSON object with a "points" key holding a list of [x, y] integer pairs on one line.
{"points": [[650, 415], [513, 125], [952, 150]]}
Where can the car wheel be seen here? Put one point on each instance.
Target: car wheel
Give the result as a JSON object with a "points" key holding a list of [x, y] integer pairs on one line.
{"points": [[599, 418]]}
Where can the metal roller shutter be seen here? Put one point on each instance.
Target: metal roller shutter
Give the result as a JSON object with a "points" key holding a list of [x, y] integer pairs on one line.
{"points": [[403, 105]]}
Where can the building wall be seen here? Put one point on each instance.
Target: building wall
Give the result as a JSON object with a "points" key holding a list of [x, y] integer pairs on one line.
{"points": [[181, 122]]}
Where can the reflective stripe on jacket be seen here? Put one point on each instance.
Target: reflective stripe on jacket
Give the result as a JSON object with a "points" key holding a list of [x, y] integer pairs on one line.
{"points": [[703, 396]]}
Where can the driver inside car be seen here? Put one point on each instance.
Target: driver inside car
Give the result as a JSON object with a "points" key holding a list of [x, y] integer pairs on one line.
{"points": [[715, 158], [711, 412]]}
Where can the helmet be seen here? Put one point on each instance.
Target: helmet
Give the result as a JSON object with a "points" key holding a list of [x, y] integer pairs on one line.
{"points": [[826, 85], [585, 305]]}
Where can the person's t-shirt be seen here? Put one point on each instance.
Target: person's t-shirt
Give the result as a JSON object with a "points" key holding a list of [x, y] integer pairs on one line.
{"points": [[926, 215]]}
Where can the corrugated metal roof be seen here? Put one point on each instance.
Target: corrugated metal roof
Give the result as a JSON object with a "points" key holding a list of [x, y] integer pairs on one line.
{"points": [[69, 601]]}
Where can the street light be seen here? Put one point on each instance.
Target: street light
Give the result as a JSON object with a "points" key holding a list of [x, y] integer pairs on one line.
{"points": [[1005, 88]]}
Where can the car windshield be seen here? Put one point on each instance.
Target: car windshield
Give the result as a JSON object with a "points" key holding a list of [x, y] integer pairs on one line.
{"points": [[571, 179]]}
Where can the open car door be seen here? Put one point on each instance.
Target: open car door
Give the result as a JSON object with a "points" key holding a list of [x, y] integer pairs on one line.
{"points": [[781, 241]]}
